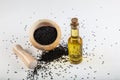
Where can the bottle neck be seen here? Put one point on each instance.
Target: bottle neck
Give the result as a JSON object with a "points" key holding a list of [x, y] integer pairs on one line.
{"points": [[74, 32]]}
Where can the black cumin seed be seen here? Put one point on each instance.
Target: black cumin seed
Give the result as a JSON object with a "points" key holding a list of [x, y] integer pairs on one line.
{"points": [[45, 35]]}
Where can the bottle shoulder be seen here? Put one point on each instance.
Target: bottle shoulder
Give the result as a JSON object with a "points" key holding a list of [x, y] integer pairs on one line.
{"points": [[75, 40]]}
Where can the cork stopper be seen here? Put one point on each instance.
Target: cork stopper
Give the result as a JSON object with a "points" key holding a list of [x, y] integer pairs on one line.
{"points": [[74, 22]]}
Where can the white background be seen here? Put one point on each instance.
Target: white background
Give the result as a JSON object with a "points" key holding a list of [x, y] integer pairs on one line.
{"points": [[99, 28]]}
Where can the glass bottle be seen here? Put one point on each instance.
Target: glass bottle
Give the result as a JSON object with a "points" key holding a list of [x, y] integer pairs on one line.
{"points": [[75, 43]]}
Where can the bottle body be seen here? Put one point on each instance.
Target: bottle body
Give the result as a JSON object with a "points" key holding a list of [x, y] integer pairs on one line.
{"points": [[75, 50]]}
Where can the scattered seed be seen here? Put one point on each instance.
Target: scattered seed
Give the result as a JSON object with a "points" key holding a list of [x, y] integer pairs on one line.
{"points": [[90, 67], [108, 73], [15, 72], [94, 77], [102, 62]]}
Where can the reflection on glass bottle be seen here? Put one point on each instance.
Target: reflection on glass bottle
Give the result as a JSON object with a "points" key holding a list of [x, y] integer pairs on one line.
{"points": [[75, 43]]}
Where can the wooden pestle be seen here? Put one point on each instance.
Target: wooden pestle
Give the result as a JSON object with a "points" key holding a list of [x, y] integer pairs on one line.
{"points": [[29, 61]]}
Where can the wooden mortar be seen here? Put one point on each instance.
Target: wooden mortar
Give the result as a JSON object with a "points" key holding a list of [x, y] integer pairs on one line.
{"points": [[42, 23]]}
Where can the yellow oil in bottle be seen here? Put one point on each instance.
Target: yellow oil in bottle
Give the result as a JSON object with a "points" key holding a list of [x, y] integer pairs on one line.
{"points": [[75, 43]]}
